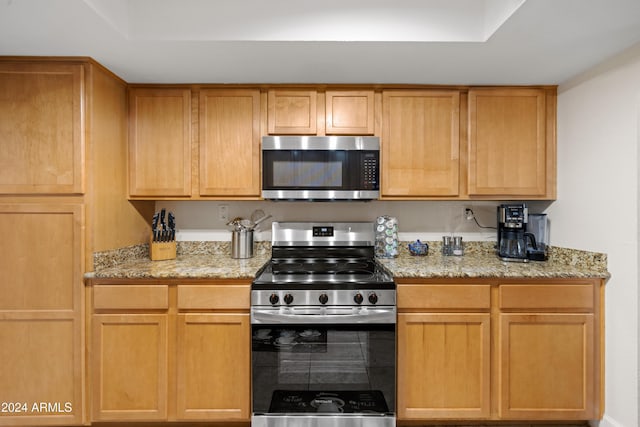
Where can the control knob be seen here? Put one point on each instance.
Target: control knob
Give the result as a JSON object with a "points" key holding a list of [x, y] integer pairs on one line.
{"points": [[373, 298], [288, 299], [273, 299], [358, 298], [323, 298]]}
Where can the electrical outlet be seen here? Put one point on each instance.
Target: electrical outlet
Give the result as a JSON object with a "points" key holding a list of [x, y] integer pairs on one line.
{"points": [[223, 213], [468, 214]]}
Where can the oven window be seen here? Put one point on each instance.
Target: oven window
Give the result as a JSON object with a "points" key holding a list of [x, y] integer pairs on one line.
{"points": [[312, 368]]}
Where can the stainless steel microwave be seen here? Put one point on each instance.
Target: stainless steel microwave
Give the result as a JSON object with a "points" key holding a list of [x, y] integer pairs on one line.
{"points": [[320, 167]]}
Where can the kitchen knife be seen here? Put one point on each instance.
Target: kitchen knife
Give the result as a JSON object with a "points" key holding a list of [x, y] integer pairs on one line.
{"points": [[172, 227]]}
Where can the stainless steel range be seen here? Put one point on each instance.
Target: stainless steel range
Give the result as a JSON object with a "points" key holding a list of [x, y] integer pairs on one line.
{"points": [[323, 320]]}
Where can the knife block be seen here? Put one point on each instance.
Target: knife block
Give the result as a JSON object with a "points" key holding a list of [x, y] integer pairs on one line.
{"points": [[159, 251]]}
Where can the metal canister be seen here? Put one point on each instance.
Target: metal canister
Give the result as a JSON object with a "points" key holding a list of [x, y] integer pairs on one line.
{"points": [[242, 244]]}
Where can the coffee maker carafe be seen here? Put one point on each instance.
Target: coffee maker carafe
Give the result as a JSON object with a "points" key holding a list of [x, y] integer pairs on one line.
{"points": [[513, 239]]}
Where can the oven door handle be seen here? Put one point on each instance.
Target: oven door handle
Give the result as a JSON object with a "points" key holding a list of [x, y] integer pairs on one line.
{"points": [[323, 315]]}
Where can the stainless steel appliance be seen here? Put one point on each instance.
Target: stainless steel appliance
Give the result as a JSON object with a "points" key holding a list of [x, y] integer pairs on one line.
{"points": [[320, 167], [323, 321], [512, 235]]}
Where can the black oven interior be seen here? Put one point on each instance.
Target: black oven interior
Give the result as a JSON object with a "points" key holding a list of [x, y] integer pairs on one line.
{"points": [[315, 368]]}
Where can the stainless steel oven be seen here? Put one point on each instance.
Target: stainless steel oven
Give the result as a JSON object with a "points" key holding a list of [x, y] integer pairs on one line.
{"points": [[323, 320]]}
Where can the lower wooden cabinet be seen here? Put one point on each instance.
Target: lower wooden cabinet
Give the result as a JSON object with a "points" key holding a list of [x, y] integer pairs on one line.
{"points": [[444, 364], [170, 352], [500, 350]]}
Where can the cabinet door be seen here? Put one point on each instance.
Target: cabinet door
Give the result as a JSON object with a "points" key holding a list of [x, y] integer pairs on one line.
{"points": [[420, 143], [213, 356], [41, 129], [547, 367], [292, 112], [507, 142], [41, 340], [349, 112], [160, 142], [443, 366], [230, 142], [130, 367]]}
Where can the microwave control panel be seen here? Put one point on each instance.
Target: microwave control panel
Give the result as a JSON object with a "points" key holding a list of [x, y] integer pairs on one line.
{"points": [[370, 171]]}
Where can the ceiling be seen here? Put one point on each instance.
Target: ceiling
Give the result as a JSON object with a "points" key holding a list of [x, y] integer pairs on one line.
{"points": [[466, 42]]}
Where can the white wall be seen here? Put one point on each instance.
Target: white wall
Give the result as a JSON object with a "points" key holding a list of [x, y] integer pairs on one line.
{"points": [[597, 207]]}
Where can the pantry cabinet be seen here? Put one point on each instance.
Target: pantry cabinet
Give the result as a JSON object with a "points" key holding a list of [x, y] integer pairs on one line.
{"points": [[229, 142], [420, 144], [503, 350], [159, 142], [42, 130], [511, 146], [170, 352], [62, 196]]}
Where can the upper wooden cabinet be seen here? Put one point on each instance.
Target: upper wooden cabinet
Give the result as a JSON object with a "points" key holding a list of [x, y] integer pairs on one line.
{"points": [[292, 111], [511, 143], [229, 142], [349, 112], [160, 142], [420, 143], [41, 129]]}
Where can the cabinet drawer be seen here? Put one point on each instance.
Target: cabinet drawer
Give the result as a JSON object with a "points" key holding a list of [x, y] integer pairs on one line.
{"points": [[438, 297], [549, 296], [219, 297], [131, 297]]}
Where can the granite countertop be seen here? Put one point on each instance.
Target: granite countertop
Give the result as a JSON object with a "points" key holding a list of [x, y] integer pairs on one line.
{"points": [[211, 260]]}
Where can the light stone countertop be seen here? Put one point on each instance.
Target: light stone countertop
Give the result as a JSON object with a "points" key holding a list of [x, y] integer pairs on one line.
{"points": [[212, 260]]}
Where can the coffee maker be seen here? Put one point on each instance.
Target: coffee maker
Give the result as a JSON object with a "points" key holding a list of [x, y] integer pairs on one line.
{"points": [[513, 239]]}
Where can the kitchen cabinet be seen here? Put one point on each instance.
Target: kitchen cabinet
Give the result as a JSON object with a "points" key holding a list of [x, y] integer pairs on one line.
{"points": [[547, 352], [292, 111], [40, 312], [503, 350], [511, 146], [130, 353], [159, 142], [230, 142], [63, 198], [349, 112], [443, 352], [41, 130], [420, 144], [171, 352]]}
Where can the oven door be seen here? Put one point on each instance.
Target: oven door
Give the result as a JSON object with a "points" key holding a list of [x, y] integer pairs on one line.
{"points": [[323, 369]]}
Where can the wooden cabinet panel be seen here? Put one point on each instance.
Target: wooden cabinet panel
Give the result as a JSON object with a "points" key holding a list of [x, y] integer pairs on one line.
{"points": [[42, 133], [213, 356], [420, 143], [292, 111], [229, 142], [440, 297], [216, 297], [507, 142], [130, 363], [349, 112], [547, 297], [547, 367], [159, 142], [43, 269], [40, 361], [443, 366], [126, 297]]}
